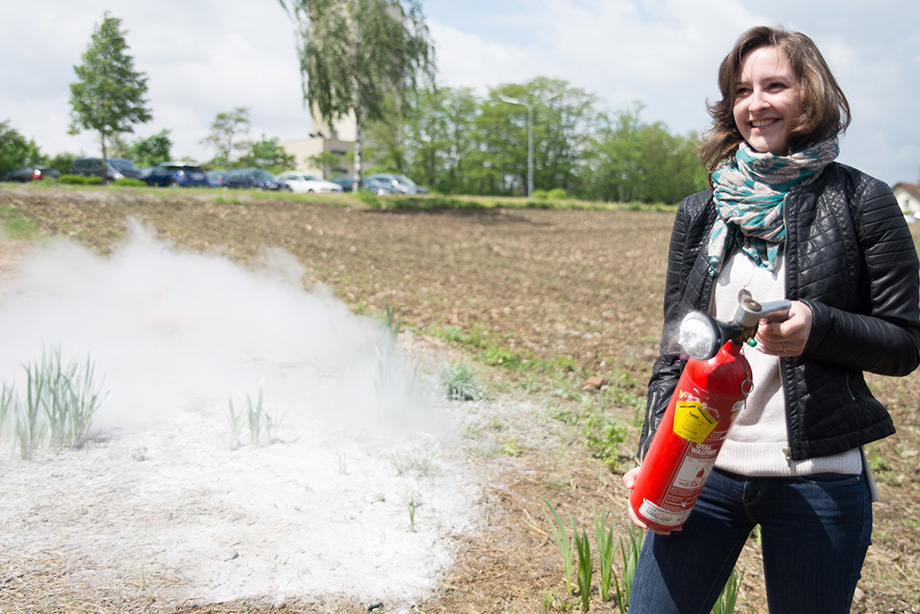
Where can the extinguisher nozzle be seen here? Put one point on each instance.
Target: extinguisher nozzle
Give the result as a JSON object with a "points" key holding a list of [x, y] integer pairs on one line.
{"points": [[701, 335]]}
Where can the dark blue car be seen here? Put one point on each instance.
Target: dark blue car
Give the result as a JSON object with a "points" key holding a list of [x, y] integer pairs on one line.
{"points": [[253, 178], [178, 174]]}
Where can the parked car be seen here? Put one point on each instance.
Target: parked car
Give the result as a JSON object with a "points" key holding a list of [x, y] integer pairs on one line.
{"points": [[216, 178], [346, 182], [116, 168], [403, 180], [301, 183], [390, 180], [377, 186], [32, 173], [178, 174], [254, 178]]}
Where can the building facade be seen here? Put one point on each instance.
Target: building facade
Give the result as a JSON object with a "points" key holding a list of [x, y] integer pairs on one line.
{"points": [[906, 193], [327, 150]]}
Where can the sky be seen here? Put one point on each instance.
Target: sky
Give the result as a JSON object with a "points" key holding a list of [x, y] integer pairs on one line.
{"points": [[204, 57]]}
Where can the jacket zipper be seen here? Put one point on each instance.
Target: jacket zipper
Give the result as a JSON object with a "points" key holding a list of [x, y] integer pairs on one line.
{"points": [[787, 450]]}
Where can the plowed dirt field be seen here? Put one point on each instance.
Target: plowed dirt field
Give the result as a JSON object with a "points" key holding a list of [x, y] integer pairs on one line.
{"points": [[577, 288]]}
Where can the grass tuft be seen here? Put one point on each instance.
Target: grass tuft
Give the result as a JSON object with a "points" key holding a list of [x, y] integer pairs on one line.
{"points": [[60, 402], [585, 566], [603, 532], [263, 426], [458, 382], [563, 543]]}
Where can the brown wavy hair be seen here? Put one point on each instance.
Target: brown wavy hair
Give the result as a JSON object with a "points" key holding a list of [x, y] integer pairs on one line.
{"points": [[825, 110]]}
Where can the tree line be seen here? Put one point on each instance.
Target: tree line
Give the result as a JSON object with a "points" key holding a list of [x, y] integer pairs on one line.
{"points": [[446, 138], [456, 142]]}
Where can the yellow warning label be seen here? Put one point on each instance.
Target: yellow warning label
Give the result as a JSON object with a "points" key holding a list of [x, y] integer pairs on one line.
{"points": [[692, 422]]}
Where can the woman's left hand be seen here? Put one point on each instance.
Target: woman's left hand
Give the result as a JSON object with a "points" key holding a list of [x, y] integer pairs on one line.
{"points": [[786, 338]]}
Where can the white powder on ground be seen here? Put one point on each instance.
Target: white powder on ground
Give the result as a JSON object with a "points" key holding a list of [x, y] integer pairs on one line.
{"points": [[363, 493]]}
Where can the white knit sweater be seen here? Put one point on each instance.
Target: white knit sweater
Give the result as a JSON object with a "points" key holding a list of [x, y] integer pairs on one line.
{"points": [[757, 443]]}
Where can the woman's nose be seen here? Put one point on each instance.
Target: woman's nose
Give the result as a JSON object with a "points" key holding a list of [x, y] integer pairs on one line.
{"points": [[759, 100]]}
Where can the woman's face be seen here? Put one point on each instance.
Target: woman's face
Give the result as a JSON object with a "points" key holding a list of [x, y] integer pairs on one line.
{"points": [[766, 100]]}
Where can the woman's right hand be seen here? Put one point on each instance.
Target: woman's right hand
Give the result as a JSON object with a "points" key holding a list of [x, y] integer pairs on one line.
{"points": [[629, 480]]}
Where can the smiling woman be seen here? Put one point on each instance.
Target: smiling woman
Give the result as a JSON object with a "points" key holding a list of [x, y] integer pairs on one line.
{"points": [[780, 223]]}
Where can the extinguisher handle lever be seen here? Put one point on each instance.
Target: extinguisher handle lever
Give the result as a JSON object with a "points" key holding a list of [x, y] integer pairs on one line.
{"points": [[775, 311]]}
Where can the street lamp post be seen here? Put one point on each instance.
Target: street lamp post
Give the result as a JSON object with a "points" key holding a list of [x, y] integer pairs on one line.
{"points": [[530, 108]]}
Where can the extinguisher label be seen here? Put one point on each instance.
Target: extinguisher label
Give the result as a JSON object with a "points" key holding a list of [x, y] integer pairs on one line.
{"points": [[665, 517], [693, 422], [695, 469]]}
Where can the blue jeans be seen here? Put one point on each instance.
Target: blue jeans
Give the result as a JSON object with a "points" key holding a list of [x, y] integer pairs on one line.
{"points": [[815, 531]]}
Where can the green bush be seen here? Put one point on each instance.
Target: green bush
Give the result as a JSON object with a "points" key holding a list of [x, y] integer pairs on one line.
{"points": [[130, 182], [540, 194], [556, 194], [72, 179]]}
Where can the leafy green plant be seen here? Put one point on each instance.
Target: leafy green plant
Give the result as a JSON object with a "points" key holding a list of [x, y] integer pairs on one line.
{"points": [[7, 403], [511, 447], [603, 533], [729, 596], [255, 416], [391, 322], [60, 400], [585, 566], [262, 425], [629, 553], [602, 431], [412, 504], [235, 421], [563, 543], [28, 429], [458, 382], [495, 355], [73, 400]]}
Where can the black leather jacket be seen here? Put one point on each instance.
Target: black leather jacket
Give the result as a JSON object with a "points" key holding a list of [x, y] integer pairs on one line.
{"points": [[851, 258]]}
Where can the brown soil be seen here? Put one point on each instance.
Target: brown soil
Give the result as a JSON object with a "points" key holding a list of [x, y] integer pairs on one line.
{"points": [[552, 285]]}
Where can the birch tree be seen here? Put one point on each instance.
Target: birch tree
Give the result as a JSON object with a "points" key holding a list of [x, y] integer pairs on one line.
{"points": [[354, 53]]}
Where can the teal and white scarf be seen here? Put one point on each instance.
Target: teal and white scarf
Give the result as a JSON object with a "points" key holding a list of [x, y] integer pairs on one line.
{"points": [[750, 192]]}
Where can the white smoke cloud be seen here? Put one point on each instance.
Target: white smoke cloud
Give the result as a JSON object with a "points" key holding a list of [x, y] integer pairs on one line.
{"points": [[160, 491], [168, 329]]}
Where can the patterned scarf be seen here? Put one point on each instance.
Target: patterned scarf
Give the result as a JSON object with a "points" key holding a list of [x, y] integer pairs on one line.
{"points": [[750, 192]]}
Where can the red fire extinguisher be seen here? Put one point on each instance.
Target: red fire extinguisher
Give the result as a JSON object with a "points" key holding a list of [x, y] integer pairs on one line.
{"points": [[710, 392]]}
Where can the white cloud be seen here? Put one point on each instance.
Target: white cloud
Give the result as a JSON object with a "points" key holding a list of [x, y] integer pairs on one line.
{"points": [[207, 57], [666, 55]]}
